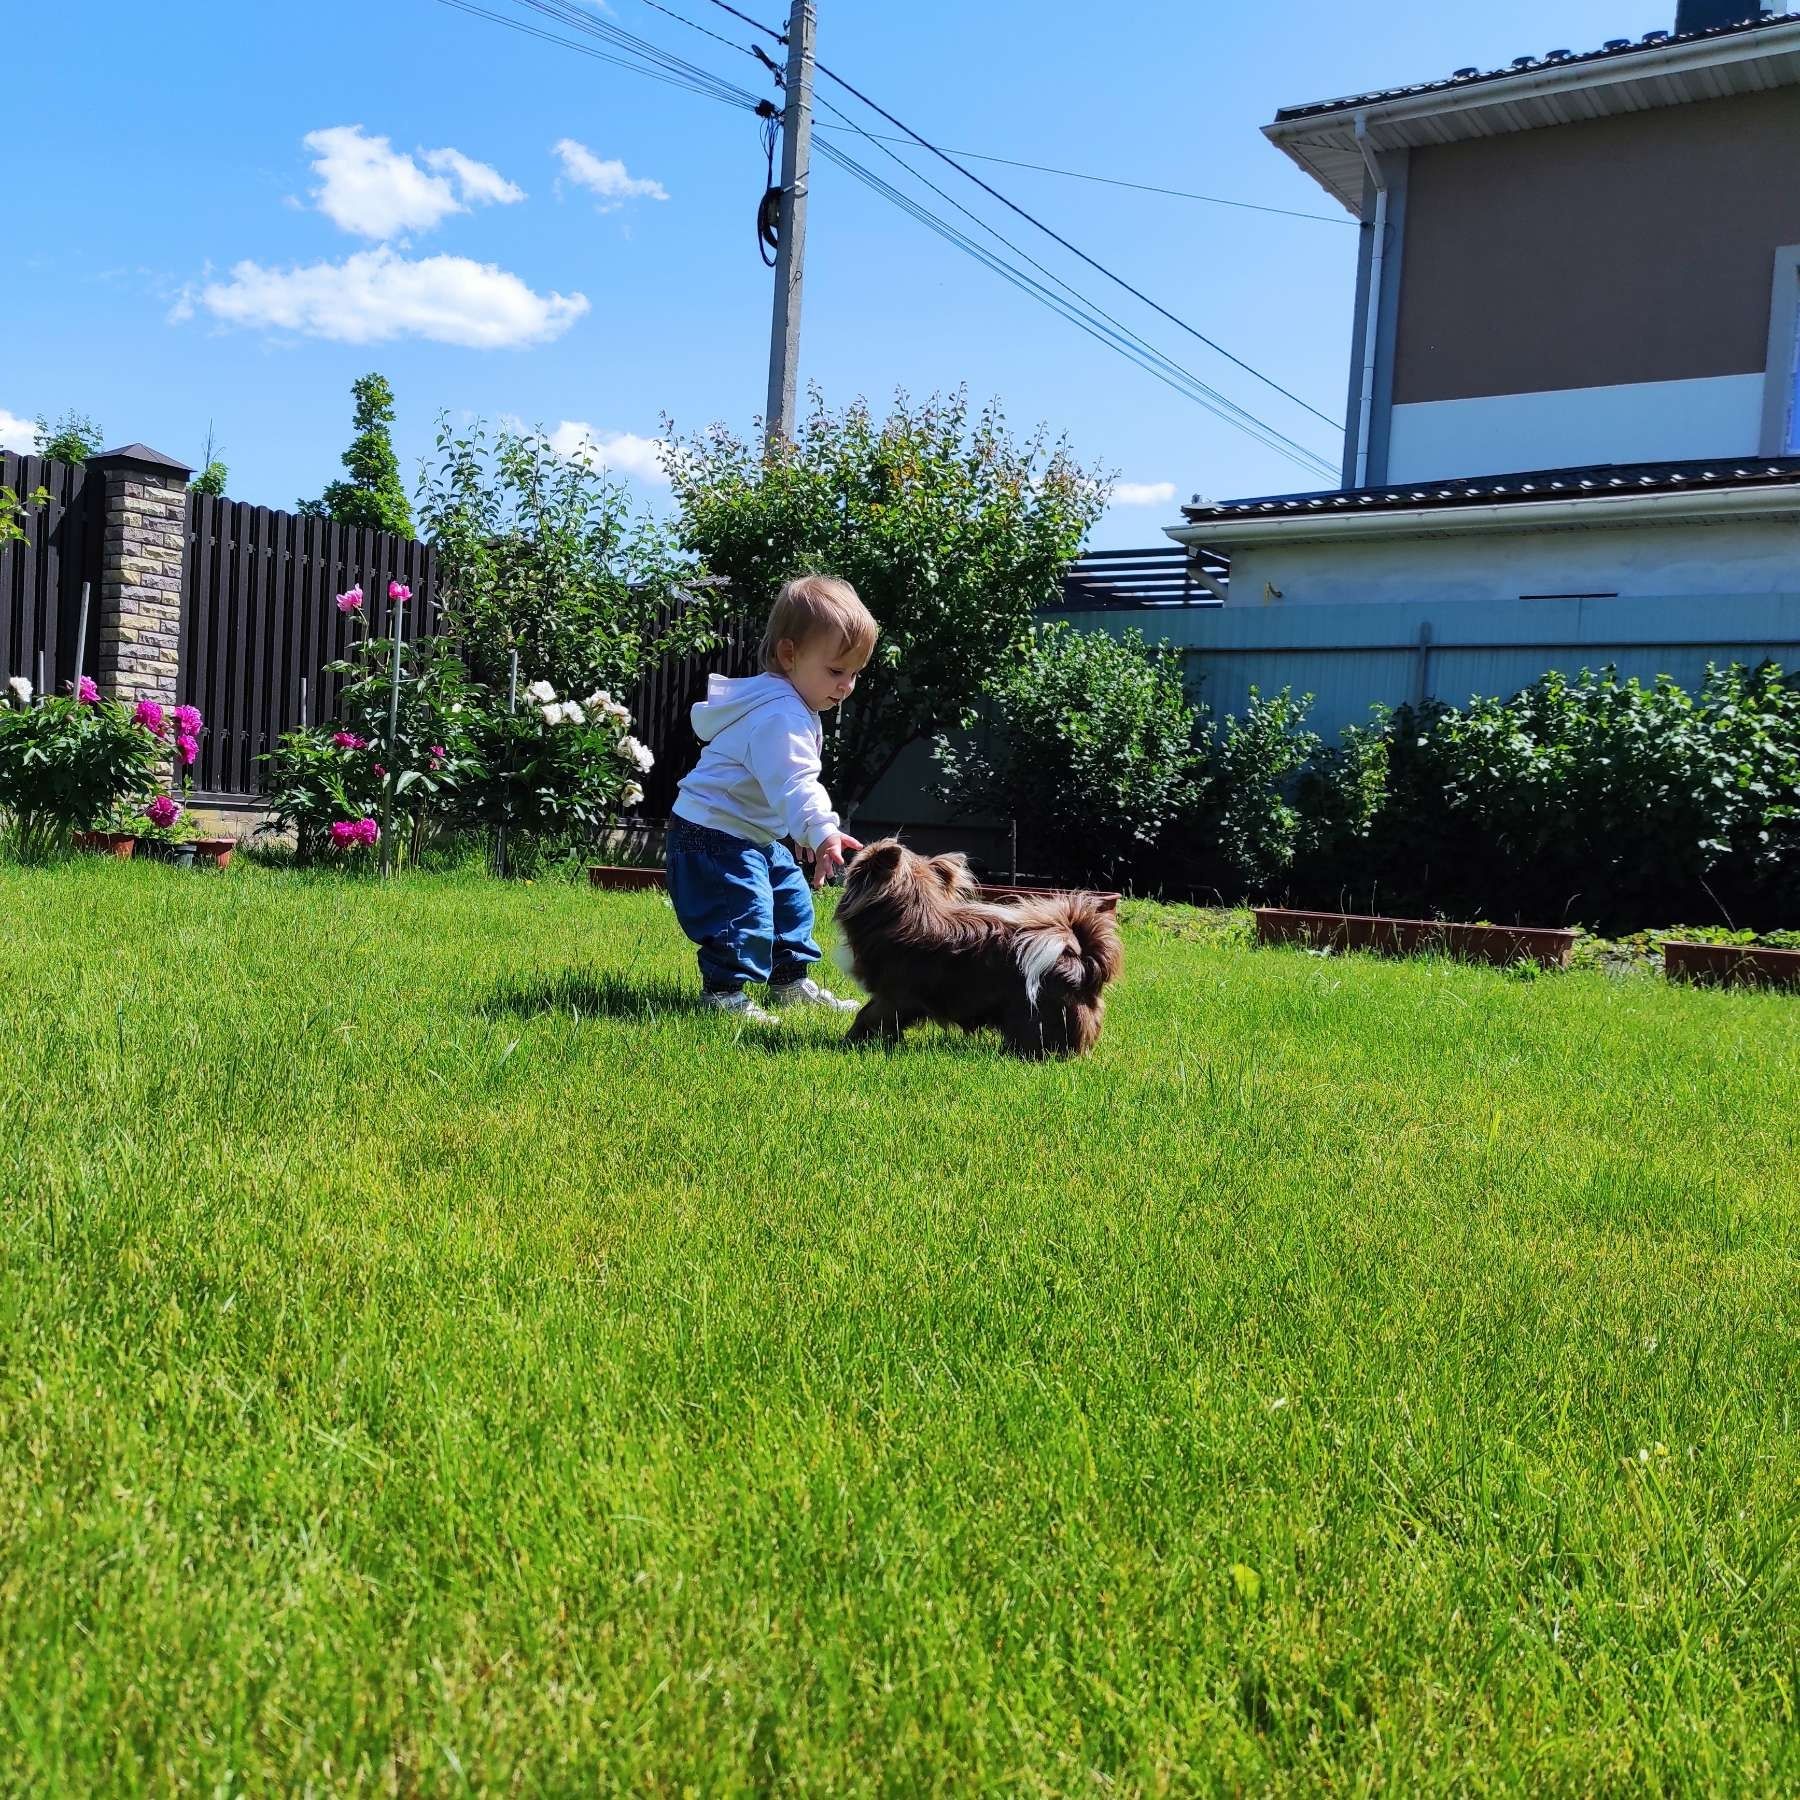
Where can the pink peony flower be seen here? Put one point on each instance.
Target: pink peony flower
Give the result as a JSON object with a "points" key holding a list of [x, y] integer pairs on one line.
{"points": [[187, 748], [188, 721], [348, 740], [162, 812], [149, 715], [435, 756], [350, 600], [398, 593], [378, 769], [87, 690], [342, 833], [366, 831]]}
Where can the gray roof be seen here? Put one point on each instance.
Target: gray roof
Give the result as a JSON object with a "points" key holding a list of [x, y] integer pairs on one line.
{"points": [[1532, 486], [1524, 65]]}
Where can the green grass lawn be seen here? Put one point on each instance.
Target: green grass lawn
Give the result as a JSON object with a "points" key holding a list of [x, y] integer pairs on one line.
{"points": [[433, 1358]]}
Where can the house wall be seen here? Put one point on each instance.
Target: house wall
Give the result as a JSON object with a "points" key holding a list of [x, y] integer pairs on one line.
{"points": [[1592, 292], [1749, 556]]}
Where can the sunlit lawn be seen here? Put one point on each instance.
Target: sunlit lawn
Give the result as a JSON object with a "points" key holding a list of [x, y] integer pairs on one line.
{"points": [[431, 1356]]}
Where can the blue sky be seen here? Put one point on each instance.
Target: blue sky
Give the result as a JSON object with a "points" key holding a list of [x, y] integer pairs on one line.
{"points": [[218, 221]]}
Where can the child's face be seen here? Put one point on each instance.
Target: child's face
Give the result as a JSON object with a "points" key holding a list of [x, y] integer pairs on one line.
{"points": [[822, 672]]}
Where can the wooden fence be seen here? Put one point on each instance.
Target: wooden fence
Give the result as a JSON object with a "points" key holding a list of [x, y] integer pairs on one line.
{"points": [[260, 623], [663, 696], [40, 579]]}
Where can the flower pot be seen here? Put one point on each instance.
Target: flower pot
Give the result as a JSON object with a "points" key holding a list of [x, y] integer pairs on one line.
{"points": [[214, 853], [1731, 965], [180, 855], [1499, 944], [624, 881], [107, 843]]}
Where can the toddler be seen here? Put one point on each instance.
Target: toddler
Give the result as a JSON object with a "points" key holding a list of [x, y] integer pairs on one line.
{"points": [[735, 887]]}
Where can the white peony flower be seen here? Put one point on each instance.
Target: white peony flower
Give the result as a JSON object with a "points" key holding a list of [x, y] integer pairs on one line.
{"points": [[456, 707], [571, 712], [620, 715], [631, 751], [552, 714], [542, 692], [21, 689], [633, 795]]}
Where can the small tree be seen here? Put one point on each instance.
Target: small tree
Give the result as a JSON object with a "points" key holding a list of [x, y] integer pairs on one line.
{"points": [[953, 534], [72, 439], [213, 472], [373, 497], [545, 555], [1093, 755]]}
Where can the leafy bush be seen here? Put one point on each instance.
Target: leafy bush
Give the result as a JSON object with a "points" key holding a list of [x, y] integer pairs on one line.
{"points": [[544, 554], [1092, 753], [1254, 768], [1587, 796], [953, 534], [67, 761], [71, 439], [13, 508]]}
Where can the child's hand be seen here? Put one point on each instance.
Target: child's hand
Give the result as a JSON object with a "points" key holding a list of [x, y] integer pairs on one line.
{"points": [[829, 857]]}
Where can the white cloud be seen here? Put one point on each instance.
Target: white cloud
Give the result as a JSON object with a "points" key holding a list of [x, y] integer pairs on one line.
{"points": [[479, 182], [624, 452], [370, 188], [1143, 493], [17, 435], [377, 295], [606, 177]]}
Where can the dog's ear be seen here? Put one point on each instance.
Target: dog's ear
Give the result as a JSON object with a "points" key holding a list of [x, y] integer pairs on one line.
{"points": [[952, 869], [1106, 903]]}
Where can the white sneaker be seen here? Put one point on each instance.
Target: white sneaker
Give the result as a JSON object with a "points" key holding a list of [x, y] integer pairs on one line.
{"points": [[739, 1006], [807, 992]]}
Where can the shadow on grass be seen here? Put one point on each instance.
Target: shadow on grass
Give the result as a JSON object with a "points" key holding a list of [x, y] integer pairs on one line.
{"points": [[589, 994]]}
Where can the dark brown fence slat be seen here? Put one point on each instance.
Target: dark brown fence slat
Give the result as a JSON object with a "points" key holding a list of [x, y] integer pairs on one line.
{"points": [[40, 578]]}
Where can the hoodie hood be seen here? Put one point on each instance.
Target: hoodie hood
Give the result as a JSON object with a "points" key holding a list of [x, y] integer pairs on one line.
{"points": [[729, 699]]}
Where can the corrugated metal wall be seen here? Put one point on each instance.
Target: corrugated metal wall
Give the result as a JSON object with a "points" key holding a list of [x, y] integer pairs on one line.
{"points": [[1354, 657]]}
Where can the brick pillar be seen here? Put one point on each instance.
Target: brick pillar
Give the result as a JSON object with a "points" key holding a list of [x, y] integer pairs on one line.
{"points": [[143, 543]]}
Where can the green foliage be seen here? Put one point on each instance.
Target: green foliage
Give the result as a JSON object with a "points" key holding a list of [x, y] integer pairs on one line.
{"points": [[13, 509], [351, 769], [545, 555], [1256, 760], [1092, 752], [953, 534], [71, 439], [65, 765], [213, 472], [374, 497]]}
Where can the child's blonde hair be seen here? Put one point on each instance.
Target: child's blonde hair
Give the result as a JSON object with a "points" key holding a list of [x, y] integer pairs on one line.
{"points": [[810, 605]]}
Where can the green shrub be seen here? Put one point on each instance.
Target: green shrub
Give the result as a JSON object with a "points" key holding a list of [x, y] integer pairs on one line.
{"points": [[1092, 754]]}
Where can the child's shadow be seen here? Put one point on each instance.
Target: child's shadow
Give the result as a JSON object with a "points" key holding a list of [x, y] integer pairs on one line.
{"points": [[590, 994]]}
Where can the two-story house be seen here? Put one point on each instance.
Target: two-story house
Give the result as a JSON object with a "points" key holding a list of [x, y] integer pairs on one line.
{"points": [[1577, 331]]}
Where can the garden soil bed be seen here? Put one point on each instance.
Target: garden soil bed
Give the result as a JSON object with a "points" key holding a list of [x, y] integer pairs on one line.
{"points": [[1731, 965], [1548, 947]]}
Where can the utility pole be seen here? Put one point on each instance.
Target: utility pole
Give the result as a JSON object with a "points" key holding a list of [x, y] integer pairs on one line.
{"points": [[790, 245]]}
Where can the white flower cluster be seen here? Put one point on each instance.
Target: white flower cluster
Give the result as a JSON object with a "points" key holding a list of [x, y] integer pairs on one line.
{"points": [[555, 712], [20, 689], [632, 796], [602, 708], [638, 755]]}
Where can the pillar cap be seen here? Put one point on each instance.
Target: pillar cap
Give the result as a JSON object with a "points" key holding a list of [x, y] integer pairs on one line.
{"points": [[140, 456]]}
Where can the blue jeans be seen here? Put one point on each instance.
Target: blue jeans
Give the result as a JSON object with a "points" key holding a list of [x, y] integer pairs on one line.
{"points": [[746, 905]]}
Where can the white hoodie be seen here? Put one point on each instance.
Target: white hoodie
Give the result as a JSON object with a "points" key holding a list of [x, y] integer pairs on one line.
{"points": [[758, 777]]}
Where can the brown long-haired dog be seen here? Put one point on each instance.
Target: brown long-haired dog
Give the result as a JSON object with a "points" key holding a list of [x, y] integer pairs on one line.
{"points": [[925, 947]]}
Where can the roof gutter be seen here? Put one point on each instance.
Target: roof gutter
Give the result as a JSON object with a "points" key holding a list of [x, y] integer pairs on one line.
{"points": [[1372, 318], [1597, 510]]}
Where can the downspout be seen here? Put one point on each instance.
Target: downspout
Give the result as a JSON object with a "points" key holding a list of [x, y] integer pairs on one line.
{"points": [[1372, 322]]}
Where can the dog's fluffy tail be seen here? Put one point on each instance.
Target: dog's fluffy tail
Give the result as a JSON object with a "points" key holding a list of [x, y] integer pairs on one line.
{"points": [[1070, 943]]}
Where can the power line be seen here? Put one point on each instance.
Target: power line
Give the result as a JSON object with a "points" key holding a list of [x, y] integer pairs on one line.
{"points": [[695, 25], [1142, 187], [708, 91], [780, 37], [1202, 392], [603, 29], [1125, 343], [1138, 293]]}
